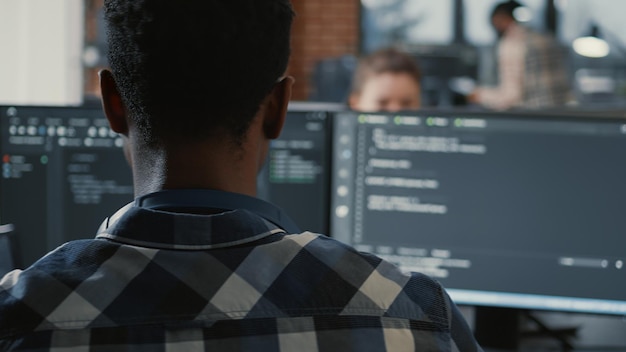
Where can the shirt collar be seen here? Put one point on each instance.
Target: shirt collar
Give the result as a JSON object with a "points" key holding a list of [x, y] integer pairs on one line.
{"points": [[148, 222]]}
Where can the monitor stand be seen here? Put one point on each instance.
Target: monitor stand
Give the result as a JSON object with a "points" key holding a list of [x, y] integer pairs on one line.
{"points": [[504, 329], [498, 328]]}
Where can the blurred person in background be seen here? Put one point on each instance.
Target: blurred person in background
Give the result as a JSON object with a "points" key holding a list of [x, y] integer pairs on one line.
{"points": [[531, 68], [386, 80]]}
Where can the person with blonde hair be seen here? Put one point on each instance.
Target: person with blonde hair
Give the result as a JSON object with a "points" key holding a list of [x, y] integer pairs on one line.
{"points": [[388, 79]]}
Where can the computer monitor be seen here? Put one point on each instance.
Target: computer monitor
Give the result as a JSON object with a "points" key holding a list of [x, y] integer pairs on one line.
{"points": [[442, 67], [296, 176], [63, 173], [516, 210]]}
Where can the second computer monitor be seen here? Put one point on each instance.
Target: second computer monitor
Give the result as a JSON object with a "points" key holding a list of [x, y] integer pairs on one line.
{"points": [[296, 176], [508, 210]]}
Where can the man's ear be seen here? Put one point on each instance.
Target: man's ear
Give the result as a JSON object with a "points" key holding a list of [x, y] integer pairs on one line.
{"points": [[276, 109], [112, 104]]}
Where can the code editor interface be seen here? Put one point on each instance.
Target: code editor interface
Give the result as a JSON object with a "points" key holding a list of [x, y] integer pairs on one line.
{"points": [[296, 176], [63, 173], [486, 203]]}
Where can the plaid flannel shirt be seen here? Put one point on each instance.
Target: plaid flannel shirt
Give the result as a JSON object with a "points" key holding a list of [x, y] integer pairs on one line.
{"points": [[164, 281], [531, 70]]}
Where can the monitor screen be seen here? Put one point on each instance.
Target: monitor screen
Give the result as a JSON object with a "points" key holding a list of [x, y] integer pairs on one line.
{"points": [[7, 252], [296, 176], [504, 209], [63, 173]]}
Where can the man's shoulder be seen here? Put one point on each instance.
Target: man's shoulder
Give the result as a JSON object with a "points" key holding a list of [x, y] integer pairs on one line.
{"points": [[339, 254], [29, 297], [293, 276], [406, 294], [536, 38]]}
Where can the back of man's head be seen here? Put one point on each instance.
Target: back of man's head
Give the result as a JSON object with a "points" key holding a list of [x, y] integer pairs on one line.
{"points": [[188, 69], [506, 8]]}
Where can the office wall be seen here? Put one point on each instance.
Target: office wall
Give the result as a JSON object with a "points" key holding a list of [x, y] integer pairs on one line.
{"points": [[322, 29], [41, 43]]}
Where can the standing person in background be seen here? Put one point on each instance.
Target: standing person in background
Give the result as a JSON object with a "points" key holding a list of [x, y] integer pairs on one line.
{"points": [[197, 262], [531, 67], [386, 80]]}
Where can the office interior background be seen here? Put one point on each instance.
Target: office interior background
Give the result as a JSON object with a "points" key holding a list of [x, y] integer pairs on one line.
{"points": [[52, 51]]}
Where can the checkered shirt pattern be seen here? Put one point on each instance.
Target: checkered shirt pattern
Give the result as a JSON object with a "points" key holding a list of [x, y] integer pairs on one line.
{"points": [[531, 71], [163, 281], [546, 83]]}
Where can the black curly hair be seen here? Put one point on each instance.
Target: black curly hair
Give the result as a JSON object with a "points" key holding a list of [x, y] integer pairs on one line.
{"points": [[505, 8], [188, 69]]}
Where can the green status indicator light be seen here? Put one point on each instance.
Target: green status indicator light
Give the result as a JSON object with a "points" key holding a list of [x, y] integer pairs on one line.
{"points": [[362, 119], [397, 120], [458, 122], [430, 121], [44, 159]]}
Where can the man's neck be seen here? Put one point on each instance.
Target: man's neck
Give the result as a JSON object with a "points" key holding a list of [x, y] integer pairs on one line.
{"points": [[197, 166]]}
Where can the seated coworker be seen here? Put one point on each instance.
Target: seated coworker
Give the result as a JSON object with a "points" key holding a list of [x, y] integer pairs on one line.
{"points": [[386, 80], [196, 262]]}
